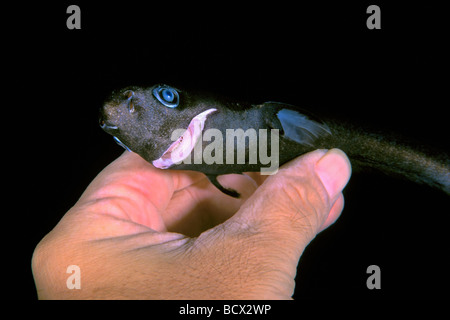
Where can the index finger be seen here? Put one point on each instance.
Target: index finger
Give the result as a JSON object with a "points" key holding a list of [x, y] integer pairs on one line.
{"points": [[131, 169], [146, 190]]}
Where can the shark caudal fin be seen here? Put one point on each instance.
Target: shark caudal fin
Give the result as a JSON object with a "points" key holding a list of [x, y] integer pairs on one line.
{"points": [[390, 155]]}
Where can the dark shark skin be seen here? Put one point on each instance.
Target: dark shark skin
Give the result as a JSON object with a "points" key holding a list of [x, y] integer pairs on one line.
{"points": [[144, 125]]}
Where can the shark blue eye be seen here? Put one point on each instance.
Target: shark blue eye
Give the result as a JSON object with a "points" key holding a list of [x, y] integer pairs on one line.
{"points": [[167, 96]]}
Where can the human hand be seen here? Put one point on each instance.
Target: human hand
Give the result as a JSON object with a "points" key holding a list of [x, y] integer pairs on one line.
{"points": [[138, 232]]}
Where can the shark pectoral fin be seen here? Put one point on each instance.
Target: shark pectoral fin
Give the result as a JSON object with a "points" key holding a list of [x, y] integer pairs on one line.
{"points": [[230, 192], [300, 128]]}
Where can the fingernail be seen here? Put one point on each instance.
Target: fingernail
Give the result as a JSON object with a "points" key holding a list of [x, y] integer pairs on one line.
{"points": [[334, 170]]}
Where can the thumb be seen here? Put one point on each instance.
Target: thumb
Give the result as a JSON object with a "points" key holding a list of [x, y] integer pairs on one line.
{"points": [[291, 207]]}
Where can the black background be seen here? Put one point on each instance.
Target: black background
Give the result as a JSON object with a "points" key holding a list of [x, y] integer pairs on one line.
{"points": [[321, 57]]}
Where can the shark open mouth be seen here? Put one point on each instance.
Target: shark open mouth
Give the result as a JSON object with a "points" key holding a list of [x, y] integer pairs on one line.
{"points": [[183, 146]]}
